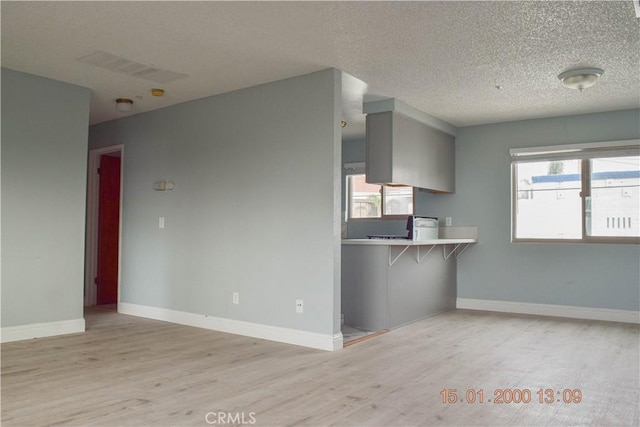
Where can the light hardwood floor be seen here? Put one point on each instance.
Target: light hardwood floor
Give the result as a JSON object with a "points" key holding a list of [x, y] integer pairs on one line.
{"points": [[128, 371]]}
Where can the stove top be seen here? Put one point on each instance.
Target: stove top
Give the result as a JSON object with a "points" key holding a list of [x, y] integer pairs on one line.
{"points": [[387, 237]]}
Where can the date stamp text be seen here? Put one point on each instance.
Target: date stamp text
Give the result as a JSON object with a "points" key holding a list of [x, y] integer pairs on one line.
{"points": [[512, 395]]}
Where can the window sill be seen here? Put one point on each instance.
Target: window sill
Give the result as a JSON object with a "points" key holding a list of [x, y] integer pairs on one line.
{"points": [[610, 240]]}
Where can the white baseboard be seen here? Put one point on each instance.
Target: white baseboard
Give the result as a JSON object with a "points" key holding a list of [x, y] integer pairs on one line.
{"points": [[626, 316], [239, 327], [41, 330]]}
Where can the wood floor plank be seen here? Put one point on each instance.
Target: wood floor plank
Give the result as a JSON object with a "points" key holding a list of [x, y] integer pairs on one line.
{"points": [[128, 371]]}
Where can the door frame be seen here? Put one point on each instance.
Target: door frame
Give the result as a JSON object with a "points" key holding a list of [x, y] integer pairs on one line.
{"points": [[91, 237]]}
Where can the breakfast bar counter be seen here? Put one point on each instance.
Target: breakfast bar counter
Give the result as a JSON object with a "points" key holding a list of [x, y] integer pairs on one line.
{"points": [[457, 246], [406, 242]]}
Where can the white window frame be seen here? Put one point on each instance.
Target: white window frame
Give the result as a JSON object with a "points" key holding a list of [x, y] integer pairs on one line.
{"points": [[359, 169], [585, 153]]}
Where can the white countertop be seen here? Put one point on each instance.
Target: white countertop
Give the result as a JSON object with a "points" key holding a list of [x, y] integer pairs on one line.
{"points": [[406, 242]]}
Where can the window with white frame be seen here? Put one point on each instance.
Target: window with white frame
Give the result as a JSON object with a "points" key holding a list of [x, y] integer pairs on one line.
{"points": [[581, 192], [364, 200]]}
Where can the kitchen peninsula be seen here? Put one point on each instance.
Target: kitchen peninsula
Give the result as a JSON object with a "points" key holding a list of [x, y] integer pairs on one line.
{"points": [[389, 283]]}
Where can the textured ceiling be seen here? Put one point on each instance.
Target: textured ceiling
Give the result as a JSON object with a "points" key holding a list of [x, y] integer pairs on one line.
{"points": [[444, 58]]}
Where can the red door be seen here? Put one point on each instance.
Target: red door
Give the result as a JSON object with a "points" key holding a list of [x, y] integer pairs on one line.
{"points": [[108, 230]]}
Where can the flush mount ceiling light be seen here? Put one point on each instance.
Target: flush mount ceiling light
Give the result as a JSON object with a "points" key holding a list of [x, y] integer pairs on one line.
{"points": [[124, 105], [580, 78]]}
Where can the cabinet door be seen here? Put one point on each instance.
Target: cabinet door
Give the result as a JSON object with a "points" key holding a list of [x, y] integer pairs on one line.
{"points": [[402, 150], [422, 156]]}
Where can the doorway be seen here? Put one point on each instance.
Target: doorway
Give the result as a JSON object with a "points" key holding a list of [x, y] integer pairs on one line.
{"points": [[104, 225]]}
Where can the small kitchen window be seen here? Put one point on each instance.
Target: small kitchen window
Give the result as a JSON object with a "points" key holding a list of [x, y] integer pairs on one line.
{"points": [[577, 193], [366, 201]]}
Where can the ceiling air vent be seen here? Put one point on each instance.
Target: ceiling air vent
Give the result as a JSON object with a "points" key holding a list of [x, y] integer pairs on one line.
{"points": [[124, 66]]}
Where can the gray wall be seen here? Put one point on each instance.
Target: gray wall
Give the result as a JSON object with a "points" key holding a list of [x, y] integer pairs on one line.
{"points": [[255, 209], [586, 275], [44, 146]]}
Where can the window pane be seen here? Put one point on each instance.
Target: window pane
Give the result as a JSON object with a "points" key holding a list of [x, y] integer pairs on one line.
{"points": [[615, 199], [364, 198], [398, 200], [548, 204]]}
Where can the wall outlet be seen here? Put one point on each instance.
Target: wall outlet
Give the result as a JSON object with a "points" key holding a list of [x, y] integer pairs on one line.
{"points": [[447, 221], [236, 298], [299, 306], [161, 222]]}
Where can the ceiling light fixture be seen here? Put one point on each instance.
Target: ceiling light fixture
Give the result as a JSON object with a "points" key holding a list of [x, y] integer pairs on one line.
{"points": [[580, 78], [124, 105]]}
